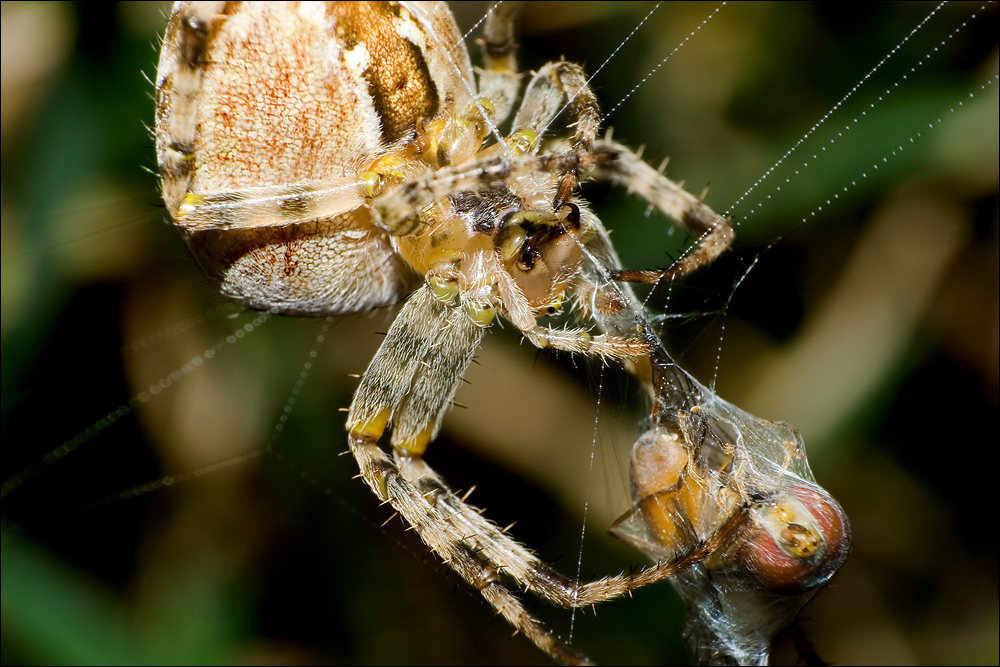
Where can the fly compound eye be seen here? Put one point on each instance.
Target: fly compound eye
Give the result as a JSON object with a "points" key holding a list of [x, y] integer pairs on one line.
{"points": [[801, 541]]}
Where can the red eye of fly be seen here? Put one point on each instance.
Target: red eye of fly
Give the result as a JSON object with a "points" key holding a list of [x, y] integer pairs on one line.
{"points": [[802, 540]]}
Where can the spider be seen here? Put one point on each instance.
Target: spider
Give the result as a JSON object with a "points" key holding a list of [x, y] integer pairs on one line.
{"points": [[332, 158]]}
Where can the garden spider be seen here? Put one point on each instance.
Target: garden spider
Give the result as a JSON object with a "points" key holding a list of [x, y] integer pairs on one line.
{"points": [[330, 158]]}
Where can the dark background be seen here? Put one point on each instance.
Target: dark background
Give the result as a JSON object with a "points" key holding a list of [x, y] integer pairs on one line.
{"points": [[870, 323]]}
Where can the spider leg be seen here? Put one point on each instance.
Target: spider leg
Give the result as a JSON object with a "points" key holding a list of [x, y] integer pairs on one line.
{"points": [[268, 206], [499, 80], [497, 553], [481, 553], [414, 375], [397, 212], [543, 101], [606, 345], [504, 555], [555, 86], [435, 526], [410, 383], [579, 341], [714, 231]]}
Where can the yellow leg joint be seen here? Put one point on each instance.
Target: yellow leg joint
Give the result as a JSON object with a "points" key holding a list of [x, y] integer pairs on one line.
{"points": [[371, 429], [371, 183], [552, 307], [482, 317], [418, 445], [522, 142], [444, 290], [191, 201]]}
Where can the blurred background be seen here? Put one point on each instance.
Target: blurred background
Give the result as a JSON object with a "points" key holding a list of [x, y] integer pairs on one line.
{"points": [[869, 320]]}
